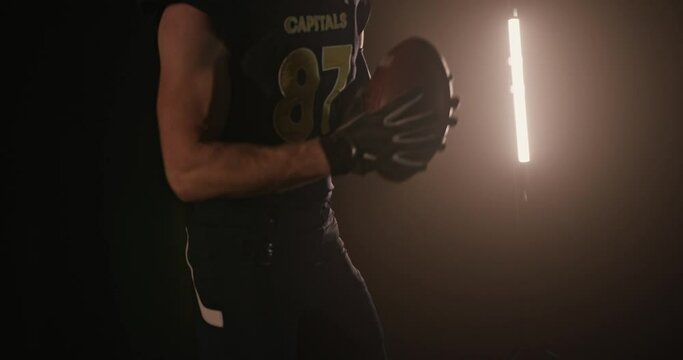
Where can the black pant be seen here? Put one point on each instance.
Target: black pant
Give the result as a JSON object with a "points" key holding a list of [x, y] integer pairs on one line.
{"points": [[274, 281]]}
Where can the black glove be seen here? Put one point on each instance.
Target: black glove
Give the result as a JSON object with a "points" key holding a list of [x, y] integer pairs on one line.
{"points": [[394, 140]]}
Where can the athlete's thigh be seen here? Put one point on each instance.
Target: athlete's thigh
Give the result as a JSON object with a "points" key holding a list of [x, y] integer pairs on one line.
{"points": [[240, 312], [344, 312]]}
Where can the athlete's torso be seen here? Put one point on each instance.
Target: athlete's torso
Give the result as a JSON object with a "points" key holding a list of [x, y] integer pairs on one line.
{"points": [[289, 59], [288, 62]]}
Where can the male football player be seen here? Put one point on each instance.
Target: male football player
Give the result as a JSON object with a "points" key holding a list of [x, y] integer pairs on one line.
{"points": [[253, 109]]}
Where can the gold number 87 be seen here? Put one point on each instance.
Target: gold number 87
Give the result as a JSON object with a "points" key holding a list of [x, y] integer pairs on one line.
{"points": [[299, 80]]}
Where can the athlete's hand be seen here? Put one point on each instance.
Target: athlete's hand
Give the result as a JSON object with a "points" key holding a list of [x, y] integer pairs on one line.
{"points": [[394, 140], [395, 122]]}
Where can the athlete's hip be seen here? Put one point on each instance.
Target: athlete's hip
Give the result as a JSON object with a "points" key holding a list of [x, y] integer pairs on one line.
{"points": [[234, 266]]}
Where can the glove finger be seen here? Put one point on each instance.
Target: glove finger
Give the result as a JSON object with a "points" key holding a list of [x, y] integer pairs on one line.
{"points": [[409, 120], [366, 162], [395, 110], [350, 121], [365, 166], [426, 135], [419, 137], [401, 105], [401, 159]]}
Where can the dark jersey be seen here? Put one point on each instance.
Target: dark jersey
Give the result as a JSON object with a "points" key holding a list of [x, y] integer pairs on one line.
{"points": [[288, 62], [289, 59]]}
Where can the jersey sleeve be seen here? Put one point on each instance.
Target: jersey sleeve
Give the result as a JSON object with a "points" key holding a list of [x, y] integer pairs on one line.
{"points": [[217, 12]]}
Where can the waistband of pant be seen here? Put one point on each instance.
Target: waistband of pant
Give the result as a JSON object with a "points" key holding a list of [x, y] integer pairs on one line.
{"points": [[307, 206]]}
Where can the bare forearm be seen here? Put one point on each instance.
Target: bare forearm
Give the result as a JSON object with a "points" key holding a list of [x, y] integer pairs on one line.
{"points": [[239, 170]]}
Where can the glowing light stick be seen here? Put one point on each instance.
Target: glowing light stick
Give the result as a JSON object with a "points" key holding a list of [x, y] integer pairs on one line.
{"points": [[518, 92]]}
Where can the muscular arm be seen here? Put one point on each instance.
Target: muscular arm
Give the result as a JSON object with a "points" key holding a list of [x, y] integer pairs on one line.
{"points": [[192, 88]]}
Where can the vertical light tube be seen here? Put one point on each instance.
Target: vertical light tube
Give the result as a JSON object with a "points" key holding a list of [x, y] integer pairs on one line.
{"points": [[518, 92]]}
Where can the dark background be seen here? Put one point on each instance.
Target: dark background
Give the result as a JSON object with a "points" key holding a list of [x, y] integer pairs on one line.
{"points": [[590, 267]]}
